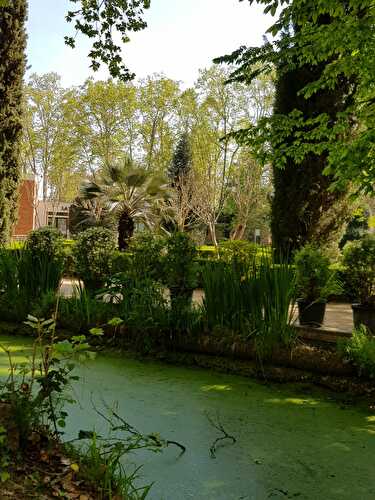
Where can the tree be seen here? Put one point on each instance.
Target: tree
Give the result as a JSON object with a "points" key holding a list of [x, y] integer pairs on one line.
{"points": [[319, 123], [86, 213], [251, 187], [12, 67], [181, 162], [304, 209], [104, 21], [157, 103], [105, 120], [50, 149], [217, 156], [180, 178], [133, 195]]}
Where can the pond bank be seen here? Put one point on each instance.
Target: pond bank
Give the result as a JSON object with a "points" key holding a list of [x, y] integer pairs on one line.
{"points": [[322, 366]]}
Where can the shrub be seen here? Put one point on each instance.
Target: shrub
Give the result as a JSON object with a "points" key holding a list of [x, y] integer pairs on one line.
{"points": [[47, 242], [179, 262], [180, 270], [93, 255], [121, 262], [315, 280], [143, 307], [238, 250], [360, 350], [207, 252], [359, 261], [42, 261], [147, 256]]}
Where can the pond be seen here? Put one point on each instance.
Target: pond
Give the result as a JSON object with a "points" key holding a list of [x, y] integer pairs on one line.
{"points": [[292, 441]]}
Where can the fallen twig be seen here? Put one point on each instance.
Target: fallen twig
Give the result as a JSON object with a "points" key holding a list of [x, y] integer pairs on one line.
{"points": [[218, 426]]}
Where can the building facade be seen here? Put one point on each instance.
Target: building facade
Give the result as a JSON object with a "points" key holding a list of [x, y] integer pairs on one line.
{"points": [[34, 213]]}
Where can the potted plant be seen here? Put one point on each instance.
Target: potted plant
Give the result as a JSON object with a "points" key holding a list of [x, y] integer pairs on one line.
{"points": [[314, 283], [180, 269], [359, 260]]}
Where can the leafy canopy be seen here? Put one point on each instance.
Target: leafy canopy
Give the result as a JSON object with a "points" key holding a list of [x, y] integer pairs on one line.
{"points": [[102, 20], [339, 37]]}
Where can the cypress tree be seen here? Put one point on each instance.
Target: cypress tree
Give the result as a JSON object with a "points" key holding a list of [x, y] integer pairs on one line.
{"points": [[181, 162], [13, 15]]}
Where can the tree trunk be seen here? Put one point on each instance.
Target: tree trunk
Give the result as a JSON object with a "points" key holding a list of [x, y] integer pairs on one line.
{"points": [[304, 210], [12, 67], [125, 231], [212, 233], [238, 232]]}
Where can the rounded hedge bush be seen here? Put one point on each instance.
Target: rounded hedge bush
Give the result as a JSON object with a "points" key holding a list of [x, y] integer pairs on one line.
{"points": [[93, 256], [46, 242]]}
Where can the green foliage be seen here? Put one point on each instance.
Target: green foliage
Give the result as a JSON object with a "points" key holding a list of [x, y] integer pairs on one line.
{"points": [[84, 214], [93, 255], [238, 250], [180, 269], [181, 162], [334, 41], [134, 195], [321, 130], [360, 350], [315, 281], [121, 262], [357, 227], [144, 310], [359, 260], [101, 21], [252, 300], [26, 280], [36, 390], [5, 455], [101, 463], [12, 67], [82, 311], [207, 251], [146, 258], [46, 241]]}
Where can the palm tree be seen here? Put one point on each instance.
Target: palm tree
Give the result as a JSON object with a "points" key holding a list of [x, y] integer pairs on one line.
{"points": [[133, 195], [85, 213]]}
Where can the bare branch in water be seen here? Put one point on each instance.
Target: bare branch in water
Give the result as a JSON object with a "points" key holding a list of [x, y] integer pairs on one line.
{"points": [[219, 427]]}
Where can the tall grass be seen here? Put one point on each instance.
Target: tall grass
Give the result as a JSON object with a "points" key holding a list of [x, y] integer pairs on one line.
{"points": [[24, 280], [82, 310], [253, 298]]}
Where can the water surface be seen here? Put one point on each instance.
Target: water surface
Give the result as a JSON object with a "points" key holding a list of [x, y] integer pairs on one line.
{"points": [[292, 442]]}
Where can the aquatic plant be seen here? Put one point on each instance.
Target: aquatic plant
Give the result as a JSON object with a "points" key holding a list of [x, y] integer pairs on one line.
{"points": [[254, 299]]}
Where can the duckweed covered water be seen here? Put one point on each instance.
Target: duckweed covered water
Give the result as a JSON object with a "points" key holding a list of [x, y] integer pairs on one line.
{"points": [[291, 442]]}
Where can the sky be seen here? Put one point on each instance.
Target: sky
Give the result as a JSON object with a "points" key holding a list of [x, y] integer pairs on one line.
{"points": [[182, 37]]}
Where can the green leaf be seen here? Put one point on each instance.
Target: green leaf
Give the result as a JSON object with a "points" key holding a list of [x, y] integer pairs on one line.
{"points": [[97, 331], [115, 322], [4, 476]]}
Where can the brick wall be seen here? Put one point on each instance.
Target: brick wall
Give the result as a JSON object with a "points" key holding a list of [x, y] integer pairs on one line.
{"points": [[26, 204]]}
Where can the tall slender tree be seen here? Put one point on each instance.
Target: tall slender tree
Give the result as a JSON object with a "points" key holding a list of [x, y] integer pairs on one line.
{"points": [[181, 162], [320, 136], [12, 66], [304, 208]]}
